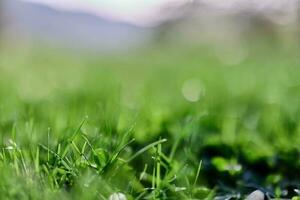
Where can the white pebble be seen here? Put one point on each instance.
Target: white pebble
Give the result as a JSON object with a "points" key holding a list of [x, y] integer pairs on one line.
{"points": [[256, 195], [117, 196]]}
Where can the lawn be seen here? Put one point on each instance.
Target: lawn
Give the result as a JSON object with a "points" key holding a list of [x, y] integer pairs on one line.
{"points": [[170, 121]]}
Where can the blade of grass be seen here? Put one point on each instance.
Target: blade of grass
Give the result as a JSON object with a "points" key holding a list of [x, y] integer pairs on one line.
{"points": [[198, 173], [146, 148]]}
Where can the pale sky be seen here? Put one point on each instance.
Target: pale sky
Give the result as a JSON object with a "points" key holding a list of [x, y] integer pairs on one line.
{"points": [[141, 12], [146, 12]]}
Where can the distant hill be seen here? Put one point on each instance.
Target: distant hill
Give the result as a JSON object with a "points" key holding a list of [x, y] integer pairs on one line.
{"points": [[69, 29]]}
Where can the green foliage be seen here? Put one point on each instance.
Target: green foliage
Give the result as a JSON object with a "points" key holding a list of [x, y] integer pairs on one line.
{"points": [[161, 123]]}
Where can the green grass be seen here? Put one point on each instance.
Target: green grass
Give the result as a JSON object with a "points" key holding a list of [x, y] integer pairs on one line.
{"points": [[84, 127]]}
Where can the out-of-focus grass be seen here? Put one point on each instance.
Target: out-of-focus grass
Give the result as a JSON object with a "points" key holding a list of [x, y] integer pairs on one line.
{"points": [[83, 127]]}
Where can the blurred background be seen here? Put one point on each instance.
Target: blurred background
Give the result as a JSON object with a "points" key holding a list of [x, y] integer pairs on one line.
{"points": [[98, 25]]}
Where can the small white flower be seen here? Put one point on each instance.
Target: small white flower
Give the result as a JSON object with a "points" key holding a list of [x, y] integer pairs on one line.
{"points": [[179, 189], [117, 196], [9, 148]]}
